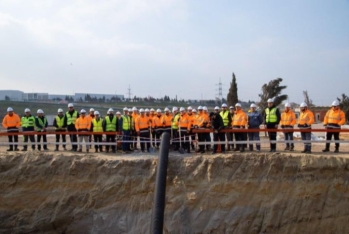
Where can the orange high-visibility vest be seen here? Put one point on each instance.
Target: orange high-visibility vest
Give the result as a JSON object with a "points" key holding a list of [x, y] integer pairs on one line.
{"points": [[288, 118], [239, 118], [335, 117]]}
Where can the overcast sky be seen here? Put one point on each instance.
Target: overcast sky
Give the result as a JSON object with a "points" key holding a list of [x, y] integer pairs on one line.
{"points": [[175, 47]]}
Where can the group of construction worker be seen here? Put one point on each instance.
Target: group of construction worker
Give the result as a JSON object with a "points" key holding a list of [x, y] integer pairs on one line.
{"points": [[147, 125]]}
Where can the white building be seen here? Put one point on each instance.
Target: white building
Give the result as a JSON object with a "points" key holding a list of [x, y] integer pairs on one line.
{"points": [[107, 97], [35, 96], [11, 95]]}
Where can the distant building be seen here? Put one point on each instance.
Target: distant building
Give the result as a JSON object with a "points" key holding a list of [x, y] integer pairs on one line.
{"points": [[35, 97], [107, 97], [11, 95]]}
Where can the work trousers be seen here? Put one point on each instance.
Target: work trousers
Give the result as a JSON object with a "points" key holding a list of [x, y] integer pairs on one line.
{"points": [[221, 137], [111, 138], [126, 140], [207, 139], [240, 136], [329, 137], [32, 140], [175, 140], [83, 138], [272, 135], [306, 136], [158, 133], [44, 140], [184, 139], [201, 139], [13, 138], [73, 138], [60, 133], [254, 136], [144, 139], [97, 138], [289, 137]]}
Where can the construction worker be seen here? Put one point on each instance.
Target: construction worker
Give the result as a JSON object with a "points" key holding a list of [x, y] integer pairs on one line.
{"points": [[135, 137], [190, 116], [334, 119], [198, 123], [142, 129], [110, 125], [239, 121], [28, 125], [288, 120], [217, 125], [118, 115], [184, 124], [272, 118], [133, 134], [41, 126], [227, 118], [97, 129], [125, 126], [174, 128], [11, 123], [305, 120], [60, 124], [83, 125], [207, 124], [231, 134], [152, 132], [255, 119], [72, 115], [91, 116], [157, 127], [166, 121]]}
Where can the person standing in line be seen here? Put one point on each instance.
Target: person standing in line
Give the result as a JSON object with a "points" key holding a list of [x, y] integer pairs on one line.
{"points": [[91, 116], [83, 125], [255, 119], [305, 120], [198, 123], [133, 134], [41, 126], [134, 115], [272, 118], [28, 125], [97, 129], [60, 124], [125, 128], [166, 121], [334, 119], [217, 125], [227, 118], [207, 124], [110, 125], [142, 129], [239, 121], [11, 122], [174, 127], [288, 120], [184, 124], [72, 115], [157, 127]]}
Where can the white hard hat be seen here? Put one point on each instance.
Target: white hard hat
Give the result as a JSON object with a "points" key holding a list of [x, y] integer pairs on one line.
{"points": [[125, 109], [231, 107], [253, 105], [92, 109], [27, 110], [158, 110], [224, 105], [152, 109], [60, 110], [70, 105], [205, 108], [303, 104], [96, 112], [238, 104], [129, 110], [40, 111], [182, 109], [118, 113], [194, 110], [146, 110], [83, 111], [166, 109], [335, 103], [134, 108], [110, 110], [141, 110], [190, 108], [174, 109], [216, 108], [200, 108], [9, 109], [287, 105], [270, 100]]}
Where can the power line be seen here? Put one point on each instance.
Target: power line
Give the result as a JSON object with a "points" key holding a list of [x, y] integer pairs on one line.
{"points": [[220, 92], [129, 92]]}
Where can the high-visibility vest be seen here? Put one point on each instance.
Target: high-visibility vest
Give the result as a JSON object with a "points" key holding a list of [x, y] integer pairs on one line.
{"points": [[11, 121], [42, 123], [288, 118], [156, 123], [59, 122], [175, 121], [184, 122], [126, 122], [239, 119], [225, 118], [110, 125], [141, 123], [306, 117], [28, 121], [270, 115], [335, 117], [98, 125], [71, 119], [83, 123]]}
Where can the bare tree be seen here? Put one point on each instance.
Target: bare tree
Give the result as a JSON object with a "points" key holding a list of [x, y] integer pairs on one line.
{"points": [[307, 100]]}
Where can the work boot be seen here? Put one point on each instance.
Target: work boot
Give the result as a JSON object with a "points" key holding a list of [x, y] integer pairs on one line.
{"points": [[327, 148], [64, 148], [10, 149], [292, 148], [79, 150], [287, 148], [251, 147], [96, 150], [236, 149], [56, 149], [39, 147], [16, 149], [304, 150], [258, 148], [336, 150], [24, 149]]}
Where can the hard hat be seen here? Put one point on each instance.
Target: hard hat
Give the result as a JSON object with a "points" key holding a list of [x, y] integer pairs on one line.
{"points": [[238, 104], [166, 109], [60, 110], [335, 103], [110, 110], [40, 111], [231, 107], [27, 110], [224, 105], [216, 108], [9, 109], [174, 109], [190, 108], [200, 108], [92, 109], [129, 110], [96, 112], [134, 108], [287, 105], [303, 104], [253, 105], [146, 110], [152, 109], [141, 110], [125, 109], [194, 110], [158, 110], [205, 108], [83, 111], [270, 100], [70, 105], [118, 113], [182, 109]]}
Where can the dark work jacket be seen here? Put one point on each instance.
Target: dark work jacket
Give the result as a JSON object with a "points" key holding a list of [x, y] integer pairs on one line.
{"points": [[216, 121]]}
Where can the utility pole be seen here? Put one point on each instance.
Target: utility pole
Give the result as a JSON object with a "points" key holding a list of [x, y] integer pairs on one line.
{"points": [[129, 92], [219, 95]]}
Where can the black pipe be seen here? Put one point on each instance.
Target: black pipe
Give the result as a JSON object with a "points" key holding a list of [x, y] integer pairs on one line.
{"points": [[157, 221]]}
